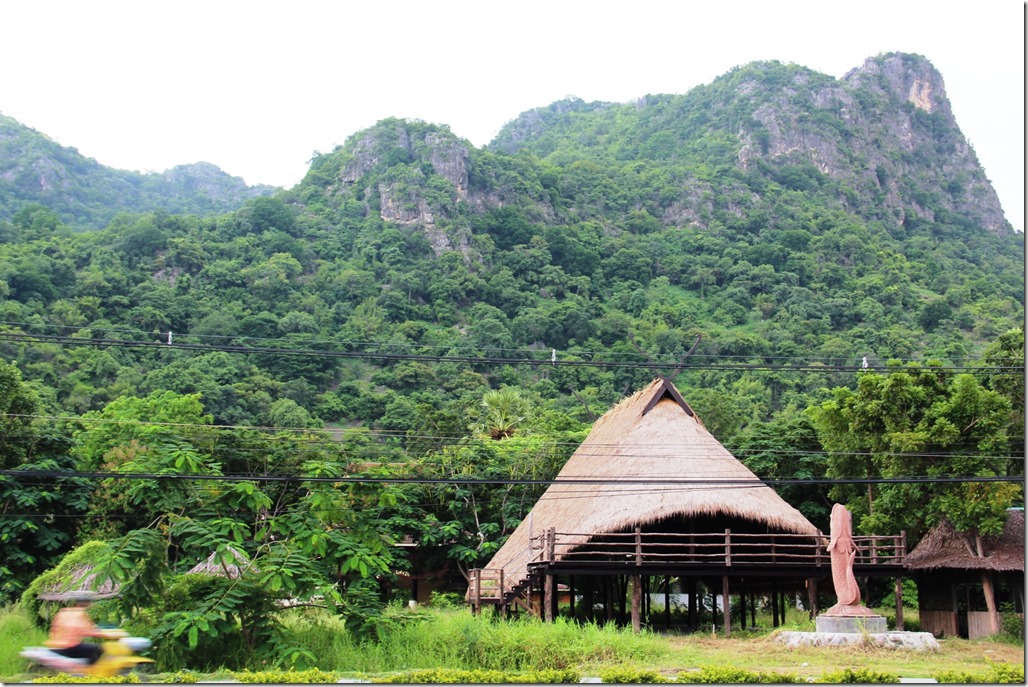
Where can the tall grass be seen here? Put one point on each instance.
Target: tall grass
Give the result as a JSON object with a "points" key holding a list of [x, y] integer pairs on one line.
{"points": [[456, 639], [16, 632]]}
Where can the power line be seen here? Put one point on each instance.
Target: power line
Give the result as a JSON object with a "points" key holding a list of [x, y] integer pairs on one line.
{"points": [[53, 474], [672, 360], [472, 359]]}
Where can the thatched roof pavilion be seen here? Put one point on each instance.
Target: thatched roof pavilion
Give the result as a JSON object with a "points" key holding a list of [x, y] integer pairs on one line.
{"points": [[943, 548], [651, 464], [950, 574]]}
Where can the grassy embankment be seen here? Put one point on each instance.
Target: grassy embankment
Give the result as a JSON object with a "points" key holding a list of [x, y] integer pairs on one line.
{"points": [[452, 638]]}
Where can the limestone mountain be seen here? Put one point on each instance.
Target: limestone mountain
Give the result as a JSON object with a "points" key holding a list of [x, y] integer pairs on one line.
{"points": [[775, 214], [86, 194]]}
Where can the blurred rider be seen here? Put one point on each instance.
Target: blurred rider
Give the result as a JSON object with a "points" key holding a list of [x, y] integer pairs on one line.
{"points": [[72, 626]]}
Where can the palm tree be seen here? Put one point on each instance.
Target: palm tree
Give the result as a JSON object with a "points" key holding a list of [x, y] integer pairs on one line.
{"points": [[505, 410]]}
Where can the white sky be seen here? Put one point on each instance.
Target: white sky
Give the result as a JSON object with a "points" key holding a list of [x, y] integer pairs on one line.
{"points": [[257, 86]]}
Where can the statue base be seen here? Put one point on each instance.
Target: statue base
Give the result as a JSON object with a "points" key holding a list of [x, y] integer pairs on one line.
{"points": [[851, 624], [912, 641]]}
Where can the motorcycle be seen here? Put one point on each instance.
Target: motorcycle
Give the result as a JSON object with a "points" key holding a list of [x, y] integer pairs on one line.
{"points": [[118, 657]]}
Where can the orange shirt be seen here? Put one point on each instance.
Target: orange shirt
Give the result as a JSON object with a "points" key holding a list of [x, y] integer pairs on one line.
{"points": [[70, 626]]}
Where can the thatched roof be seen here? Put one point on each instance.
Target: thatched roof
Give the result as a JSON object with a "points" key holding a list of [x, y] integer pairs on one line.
{"points": [[214, 565], [651, 435], [943, 548], [79, 583]]}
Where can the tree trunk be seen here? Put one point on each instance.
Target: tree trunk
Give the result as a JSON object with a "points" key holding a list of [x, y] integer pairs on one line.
{"points": [[990, 601]]}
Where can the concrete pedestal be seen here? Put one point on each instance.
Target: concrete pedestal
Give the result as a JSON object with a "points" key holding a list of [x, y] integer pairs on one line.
{"points": [[864, 624], [915, 641]]}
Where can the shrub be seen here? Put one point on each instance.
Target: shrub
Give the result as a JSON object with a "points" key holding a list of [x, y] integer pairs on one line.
{"points": [[182, 677], [999, 673], [859, 676], [292, 677], [447, 676], [625, 675], [65, 679], [1012, 622], [1006, 673], [727, 675]]}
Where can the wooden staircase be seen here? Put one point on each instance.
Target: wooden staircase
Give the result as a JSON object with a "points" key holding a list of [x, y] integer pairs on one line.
{"points": [[487, 587]]}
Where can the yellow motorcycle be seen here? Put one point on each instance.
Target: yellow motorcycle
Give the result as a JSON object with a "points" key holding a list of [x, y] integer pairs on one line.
{"points": [[119, 657]]}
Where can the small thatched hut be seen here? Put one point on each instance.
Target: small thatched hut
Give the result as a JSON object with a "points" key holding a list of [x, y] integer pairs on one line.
{"points": [[79, 582], [650, 466], [954, 582], [219, 564]]}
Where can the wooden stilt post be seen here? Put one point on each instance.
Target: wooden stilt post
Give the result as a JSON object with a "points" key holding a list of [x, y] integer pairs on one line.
{"points": [[622, 595], [636, 582], [812, 596], [742, 608], [693, 620], [590, 584], [753, 609], [726, 605], [571, 596], [476, 607], [503, 597], [774, 604], [548, 598], [713, 608], [667, 601], [899, 604]]}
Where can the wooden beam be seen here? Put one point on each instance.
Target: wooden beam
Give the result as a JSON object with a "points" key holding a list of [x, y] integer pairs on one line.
{"points": [[742, 609], [548, 598], [899, 604], [667, 601], [725, 605], [636, 581]]}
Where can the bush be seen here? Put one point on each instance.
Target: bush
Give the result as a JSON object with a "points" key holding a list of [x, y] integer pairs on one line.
{"points": [[65, 679], [719, 675], [282, 677], [999, 673], [1012, 622], [624, 675], [1007, 674], [859, 676], [447, 676]]}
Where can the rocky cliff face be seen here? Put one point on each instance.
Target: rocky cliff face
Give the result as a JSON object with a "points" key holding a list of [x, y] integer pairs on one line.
{"points": [[418, 176], [883, 137], [886, 128]]}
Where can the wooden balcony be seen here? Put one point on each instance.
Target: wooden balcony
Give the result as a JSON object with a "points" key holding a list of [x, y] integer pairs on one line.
{"points": [[725, 549], [695, 554]]}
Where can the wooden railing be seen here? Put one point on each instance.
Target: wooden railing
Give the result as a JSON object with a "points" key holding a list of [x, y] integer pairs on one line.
{"points": [[720, 548], [487, 585]]}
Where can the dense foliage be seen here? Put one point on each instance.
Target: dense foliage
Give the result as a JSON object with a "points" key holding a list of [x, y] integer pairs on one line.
{"points": [[420, 308]]}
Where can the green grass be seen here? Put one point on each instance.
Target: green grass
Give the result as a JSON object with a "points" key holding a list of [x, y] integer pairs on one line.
{"points": [[16, 632]]}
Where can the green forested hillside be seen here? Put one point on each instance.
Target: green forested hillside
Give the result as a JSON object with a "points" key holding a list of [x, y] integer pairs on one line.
{"points": [[84, 194], [418, 307]]}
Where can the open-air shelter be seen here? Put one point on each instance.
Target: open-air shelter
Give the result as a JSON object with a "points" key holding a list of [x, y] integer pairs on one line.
{"points": [[651, 497]]}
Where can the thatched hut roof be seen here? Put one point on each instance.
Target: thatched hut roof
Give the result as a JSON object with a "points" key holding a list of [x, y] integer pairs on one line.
{"points": [[79, 583], [652, 435], [216, 564], [943, 548]]}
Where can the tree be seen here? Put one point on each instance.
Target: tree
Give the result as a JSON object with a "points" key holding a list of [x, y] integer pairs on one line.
{"points": [[922, 422], [37, 513], [503, 412]]}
